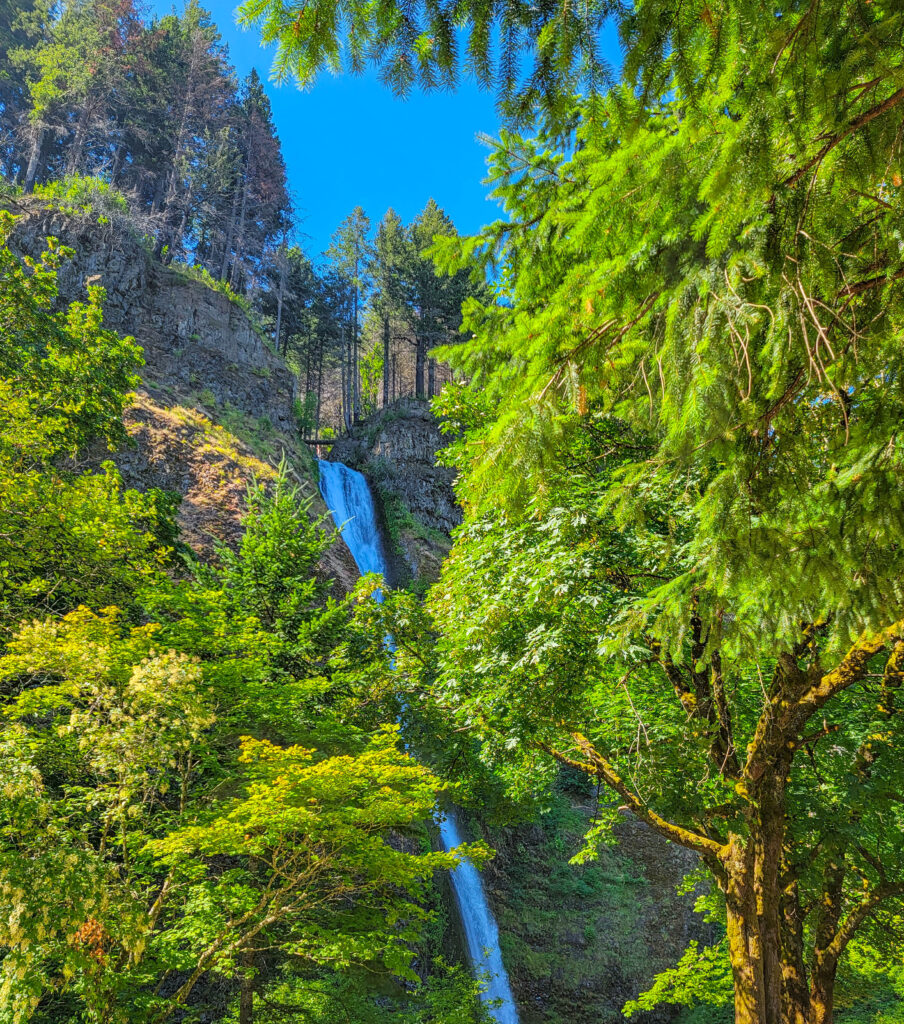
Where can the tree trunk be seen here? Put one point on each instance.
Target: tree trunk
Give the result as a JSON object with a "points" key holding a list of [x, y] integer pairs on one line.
{"points": [[160, 188], [431, 378], [795, 995], [385, 361], [822, 994], [343, 390], [230, 229], [767, 868], [319, 388], [279, 302], [74, 162], [420, 352], [744, 950], [825, 963], [760, 911], [34, 159], [246, 993], [118, 157], [240, 236], [356, 389]]}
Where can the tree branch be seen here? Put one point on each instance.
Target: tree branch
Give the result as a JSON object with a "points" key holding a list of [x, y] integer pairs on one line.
{"points": [[598, 765], [850, 670], [853, 126]]}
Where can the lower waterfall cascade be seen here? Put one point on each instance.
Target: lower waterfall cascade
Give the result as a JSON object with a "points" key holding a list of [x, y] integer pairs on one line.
{"points": [[349, 500]]}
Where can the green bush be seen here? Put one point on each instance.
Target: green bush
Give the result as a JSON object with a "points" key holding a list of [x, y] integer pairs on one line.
{"points": [[76, 194]]}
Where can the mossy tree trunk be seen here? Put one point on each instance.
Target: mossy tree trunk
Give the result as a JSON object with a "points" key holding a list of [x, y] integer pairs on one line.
{"points": [[776, 980]]}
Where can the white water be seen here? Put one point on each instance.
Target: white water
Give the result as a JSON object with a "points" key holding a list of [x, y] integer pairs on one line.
{"points": [[480, 928], [348, 498]]}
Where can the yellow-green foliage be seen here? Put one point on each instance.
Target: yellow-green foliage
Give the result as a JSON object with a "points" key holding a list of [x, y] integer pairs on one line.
{"points": [[141, 840], [75, 194]]}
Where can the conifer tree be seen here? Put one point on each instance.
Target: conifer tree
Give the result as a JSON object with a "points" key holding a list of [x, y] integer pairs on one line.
{"points": [[390, 264], [434, 300], [682, 468], [201, 92], [349, 254], [21, 25], [259, 202], [420, 45]]}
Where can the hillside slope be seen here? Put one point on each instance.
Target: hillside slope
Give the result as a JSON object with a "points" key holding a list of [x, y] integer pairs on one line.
{"points": [[216, 405]]}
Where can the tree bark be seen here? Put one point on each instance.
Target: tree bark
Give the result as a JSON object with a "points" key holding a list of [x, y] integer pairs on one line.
{"points": [[76, 152], [118, 157], [420, 353], [279, 302], [386, 369], [744, 947], [343, 389], [230, 230], [768, 843], [356, 390], [240, 236], [319, 388], [246, 993], [34, 159], [822, 994], [431, 378], [795, 995]]}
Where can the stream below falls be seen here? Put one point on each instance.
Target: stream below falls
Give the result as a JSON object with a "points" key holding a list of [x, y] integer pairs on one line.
{"points": [[349, 500]]}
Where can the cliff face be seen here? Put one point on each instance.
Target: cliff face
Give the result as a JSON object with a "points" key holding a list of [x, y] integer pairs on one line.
{"points": [[216, 406], [396, 450], [196, 339]]}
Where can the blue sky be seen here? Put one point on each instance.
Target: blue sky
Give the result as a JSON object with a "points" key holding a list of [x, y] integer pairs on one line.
{"points": [[349, 141]]}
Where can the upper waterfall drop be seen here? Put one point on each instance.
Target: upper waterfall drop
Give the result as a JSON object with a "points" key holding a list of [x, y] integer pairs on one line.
{"points": [[349, 500]]}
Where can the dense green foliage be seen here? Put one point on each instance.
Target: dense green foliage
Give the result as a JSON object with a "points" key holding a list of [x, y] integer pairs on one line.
{"points": [[201, 807], [431, 45], [680, 573], [680, 457]]}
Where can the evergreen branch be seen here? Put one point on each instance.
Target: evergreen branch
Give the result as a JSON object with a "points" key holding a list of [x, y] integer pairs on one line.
{"points": [[854, 126], [859, 287]]}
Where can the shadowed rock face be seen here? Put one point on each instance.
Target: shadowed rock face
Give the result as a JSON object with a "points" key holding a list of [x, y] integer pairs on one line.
{"points": [[397, 449], [194, 338]]}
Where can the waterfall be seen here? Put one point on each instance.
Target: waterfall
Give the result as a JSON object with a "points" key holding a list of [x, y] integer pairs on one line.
{"points": [[348, 498], [481, 932]]}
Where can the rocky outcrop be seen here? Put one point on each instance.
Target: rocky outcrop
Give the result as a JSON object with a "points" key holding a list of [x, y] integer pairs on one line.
{"points": [[179, 448], [216, 406], [396, 450], [196, 339]]}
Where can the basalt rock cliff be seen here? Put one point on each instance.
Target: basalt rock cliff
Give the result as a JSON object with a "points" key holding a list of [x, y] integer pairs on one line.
{"points": [[396, 450], [215, 408]]}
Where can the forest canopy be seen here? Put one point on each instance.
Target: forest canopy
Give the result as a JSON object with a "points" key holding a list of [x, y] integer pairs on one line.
{"points": [[675, 420], [680, 571]]}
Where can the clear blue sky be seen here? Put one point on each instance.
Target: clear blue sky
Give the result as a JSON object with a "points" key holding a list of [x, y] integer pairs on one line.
{"points": [[350, 142]]}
